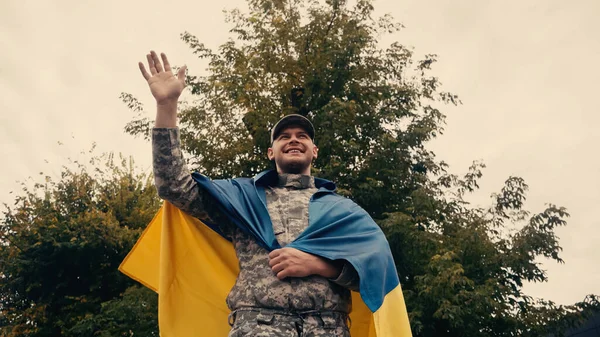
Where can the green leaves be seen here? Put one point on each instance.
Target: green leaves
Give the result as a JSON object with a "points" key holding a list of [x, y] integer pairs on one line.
{"points": [[375, 108], [135, 313], [463, 268], [63, 242]]}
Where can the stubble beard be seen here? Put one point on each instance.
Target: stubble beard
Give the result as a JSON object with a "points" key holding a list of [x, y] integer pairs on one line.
{"points": [[293, 167]]}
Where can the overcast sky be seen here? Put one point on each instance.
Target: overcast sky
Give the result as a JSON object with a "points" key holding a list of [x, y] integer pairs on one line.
{"points": [[526, 71]]}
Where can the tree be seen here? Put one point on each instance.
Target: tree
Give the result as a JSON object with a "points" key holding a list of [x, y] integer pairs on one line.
{"points": [[372, 114], [60, 246], [462, 268]]}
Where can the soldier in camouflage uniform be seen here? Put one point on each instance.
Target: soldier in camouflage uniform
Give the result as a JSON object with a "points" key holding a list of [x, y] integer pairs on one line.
{"points": [[286, 292]]}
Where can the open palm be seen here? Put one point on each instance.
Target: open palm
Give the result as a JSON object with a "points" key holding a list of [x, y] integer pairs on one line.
{"points": [[165, 87]]}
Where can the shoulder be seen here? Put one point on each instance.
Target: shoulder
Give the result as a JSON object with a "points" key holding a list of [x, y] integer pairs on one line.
{"points": [[339, 201], [223, 185], [235, 184]]}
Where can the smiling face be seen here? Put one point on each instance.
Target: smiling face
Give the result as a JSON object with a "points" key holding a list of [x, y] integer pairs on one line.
{"points": [[293, 151]]}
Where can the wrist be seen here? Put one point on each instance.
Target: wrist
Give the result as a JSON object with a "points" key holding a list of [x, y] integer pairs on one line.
{"points": [[166, 114], [167, 106], [329, 269]]}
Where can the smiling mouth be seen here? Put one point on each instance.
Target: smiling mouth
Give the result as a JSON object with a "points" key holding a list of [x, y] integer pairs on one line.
{"points": [[293, 150]]}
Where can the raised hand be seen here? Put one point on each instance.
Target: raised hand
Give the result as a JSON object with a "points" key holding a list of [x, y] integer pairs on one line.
{"points": [[165, 87]]}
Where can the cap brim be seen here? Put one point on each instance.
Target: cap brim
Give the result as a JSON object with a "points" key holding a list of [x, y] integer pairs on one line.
{"points": [[293, 120]]}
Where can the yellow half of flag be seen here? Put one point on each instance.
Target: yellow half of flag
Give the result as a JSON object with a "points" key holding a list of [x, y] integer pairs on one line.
{"points": [[192, 268]]}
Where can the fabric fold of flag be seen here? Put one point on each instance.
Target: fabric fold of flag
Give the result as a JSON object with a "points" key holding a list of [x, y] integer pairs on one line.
{"points": [[192, 268]]}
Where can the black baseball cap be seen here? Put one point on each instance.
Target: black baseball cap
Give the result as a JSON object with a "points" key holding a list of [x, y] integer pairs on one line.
{"points": [[293, 120]]}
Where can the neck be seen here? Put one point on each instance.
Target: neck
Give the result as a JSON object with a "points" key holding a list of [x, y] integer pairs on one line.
{"points": [[298, 181], [293, 170]]}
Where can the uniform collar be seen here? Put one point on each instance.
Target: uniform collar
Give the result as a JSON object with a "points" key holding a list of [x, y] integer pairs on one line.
{"points": [[271, 178], [299, 181]]}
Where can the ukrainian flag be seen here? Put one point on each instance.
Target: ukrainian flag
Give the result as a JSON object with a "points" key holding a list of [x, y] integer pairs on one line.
{"points": [[192, 268]]}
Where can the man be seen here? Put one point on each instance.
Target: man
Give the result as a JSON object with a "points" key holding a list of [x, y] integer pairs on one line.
{"points": [[283, 291]]}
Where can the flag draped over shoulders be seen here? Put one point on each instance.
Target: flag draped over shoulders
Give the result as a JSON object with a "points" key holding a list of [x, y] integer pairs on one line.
{"points": [[192, 267]]}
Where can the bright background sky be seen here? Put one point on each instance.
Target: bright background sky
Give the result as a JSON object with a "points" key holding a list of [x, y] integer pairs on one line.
{"points": [[526, 71]]}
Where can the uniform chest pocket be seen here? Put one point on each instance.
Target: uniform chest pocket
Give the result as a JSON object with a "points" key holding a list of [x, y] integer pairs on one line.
{"points": [[290, 230]]}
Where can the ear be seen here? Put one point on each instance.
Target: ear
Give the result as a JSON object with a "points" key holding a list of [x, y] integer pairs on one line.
{"points": [[315, 152], [270, 154]]}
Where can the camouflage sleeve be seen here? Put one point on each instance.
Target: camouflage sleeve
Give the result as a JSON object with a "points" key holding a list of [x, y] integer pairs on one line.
{"points": [[174, 182], [348, 278]]}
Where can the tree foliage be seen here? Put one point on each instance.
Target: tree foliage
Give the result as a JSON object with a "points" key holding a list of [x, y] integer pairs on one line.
{"points": [[375, 108], [60, 246]]}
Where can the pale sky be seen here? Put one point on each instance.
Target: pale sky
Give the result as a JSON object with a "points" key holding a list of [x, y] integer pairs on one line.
{"points": [[526, 71]]}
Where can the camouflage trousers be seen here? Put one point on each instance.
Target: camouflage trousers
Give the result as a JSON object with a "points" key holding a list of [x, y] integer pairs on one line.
{"points": [[259, 322]]}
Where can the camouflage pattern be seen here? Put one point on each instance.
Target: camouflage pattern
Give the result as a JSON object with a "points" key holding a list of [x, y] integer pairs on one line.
{"points": [[274, 323], [256, 285], [173, 180], [287, 204]]}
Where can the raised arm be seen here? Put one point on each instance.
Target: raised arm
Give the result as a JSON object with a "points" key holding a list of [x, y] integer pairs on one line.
{"points": [[171, 175]]}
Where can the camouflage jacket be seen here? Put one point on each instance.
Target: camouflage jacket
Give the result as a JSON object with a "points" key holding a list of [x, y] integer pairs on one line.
{"points": [[287, 204]]}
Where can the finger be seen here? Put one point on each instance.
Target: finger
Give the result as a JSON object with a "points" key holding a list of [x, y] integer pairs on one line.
{"points": [[181, 74], [276, 260], [143, 70], [275, 253], [166, 63], [151, 64], [289, 272], [278, 267], [283, 274], [157, 64]]}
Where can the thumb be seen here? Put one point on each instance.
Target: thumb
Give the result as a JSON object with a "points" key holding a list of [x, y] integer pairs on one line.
{"points": [[181, 74]]}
